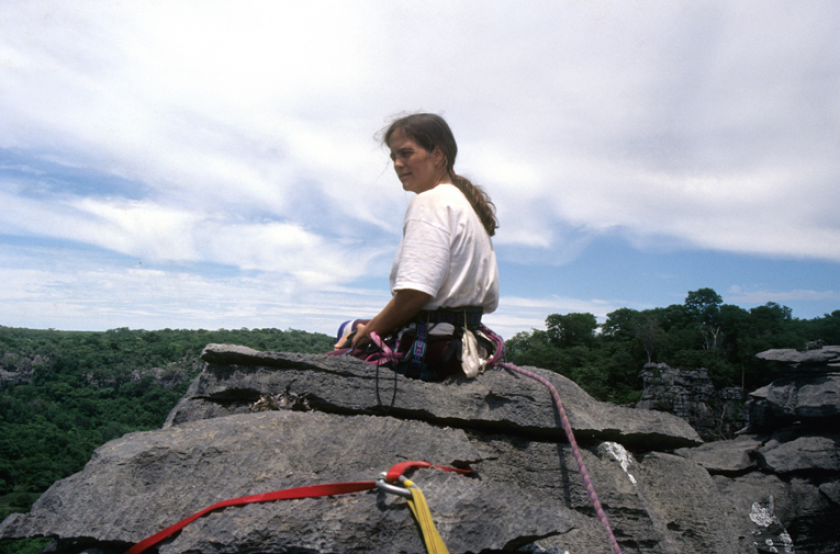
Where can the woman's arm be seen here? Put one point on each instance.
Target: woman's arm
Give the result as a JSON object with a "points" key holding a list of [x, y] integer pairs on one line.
{"points": [[404, 305]]}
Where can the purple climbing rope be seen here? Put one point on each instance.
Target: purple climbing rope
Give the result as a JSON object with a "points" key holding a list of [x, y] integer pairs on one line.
{"points": [[575, 449], [495, 360]]}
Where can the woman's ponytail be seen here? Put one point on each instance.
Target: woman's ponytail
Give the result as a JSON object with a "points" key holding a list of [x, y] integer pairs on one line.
{"points": [[480, 201]]}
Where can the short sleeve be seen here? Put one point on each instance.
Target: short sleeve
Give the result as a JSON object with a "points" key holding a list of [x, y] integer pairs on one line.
{"points": [[422, 261]]}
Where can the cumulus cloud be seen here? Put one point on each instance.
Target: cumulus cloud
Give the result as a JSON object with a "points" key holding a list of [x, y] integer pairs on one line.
{"points": [[206, 133], [91, 290], [681, 120]]}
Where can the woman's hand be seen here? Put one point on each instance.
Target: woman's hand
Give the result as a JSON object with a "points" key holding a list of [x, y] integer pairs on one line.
{"points": [[343, 341], [404, 305]]}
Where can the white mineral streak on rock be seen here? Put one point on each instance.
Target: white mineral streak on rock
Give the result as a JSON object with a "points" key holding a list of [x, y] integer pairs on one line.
{"points": [[764, 517], [788, 542], [621, 455]]}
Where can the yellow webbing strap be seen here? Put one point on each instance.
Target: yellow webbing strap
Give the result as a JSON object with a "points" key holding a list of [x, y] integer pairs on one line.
{"points": [[417, 503]]}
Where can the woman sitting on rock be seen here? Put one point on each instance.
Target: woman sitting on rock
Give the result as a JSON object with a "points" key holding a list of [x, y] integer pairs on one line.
{"points": [[444, 274]]}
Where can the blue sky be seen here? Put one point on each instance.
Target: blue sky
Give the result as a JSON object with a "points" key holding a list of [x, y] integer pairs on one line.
{"points": [[215, 165]]}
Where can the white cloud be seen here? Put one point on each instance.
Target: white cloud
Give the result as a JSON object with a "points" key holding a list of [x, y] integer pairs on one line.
{"points": [[760, 297], [89, 291], [248, 128], [156, 233], [654, 118]]}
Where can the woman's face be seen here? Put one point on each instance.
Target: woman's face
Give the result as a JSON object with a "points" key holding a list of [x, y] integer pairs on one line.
{"points": [[417, 169]]}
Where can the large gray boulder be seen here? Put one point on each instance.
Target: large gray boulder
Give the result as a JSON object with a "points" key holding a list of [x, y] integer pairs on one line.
{"points": [[499, 401], [808, 453], [782, 515], [731, 457], [524, 492], [795, 397], [344, 422]]}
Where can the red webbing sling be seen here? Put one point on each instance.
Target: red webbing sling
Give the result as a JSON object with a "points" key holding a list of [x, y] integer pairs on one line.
{"points": [[313, 491]]}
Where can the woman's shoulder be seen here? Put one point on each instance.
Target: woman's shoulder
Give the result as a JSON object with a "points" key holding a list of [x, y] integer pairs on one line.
{"points": [[443, 206], [445, 193], [439, 200]]}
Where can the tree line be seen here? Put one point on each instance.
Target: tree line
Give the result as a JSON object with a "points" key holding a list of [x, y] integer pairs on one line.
{"points": [[605, 359]]}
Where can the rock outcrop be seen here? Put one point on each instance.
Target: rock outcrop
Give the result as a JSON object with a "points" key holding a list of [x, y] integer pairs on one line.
{"points": [[820, 359], [690, 395], [807, 395], [498, 402], [662, 489], [797, 418], [16, 369]]}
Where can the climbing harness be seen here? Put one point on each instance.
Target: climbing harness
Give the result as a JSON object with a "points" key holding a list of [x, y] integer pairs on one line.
{"points": [[416, 362], [417, 352], [385, 482]]}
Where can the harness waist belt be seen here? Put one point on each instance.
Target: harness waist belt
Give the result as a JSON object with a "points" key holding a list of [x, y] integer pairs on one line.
{"points": [[454, 316]]}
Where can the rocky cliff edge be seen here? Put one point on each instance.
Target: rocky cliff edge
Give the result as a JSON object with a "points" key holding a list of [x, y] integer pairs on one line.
{"points": [[334, 419]]}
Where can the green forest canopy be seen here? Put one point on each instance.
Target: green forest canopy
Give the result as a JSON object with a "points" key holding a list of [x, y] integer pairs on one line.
{"points": [[86, 388], [702, 332]]}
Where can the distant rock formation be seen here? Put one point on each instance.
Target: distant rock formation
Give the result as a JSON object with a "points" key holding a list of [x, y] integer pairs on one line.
{"points": [[798, 418], [663, 491], [18, 370], [808, 395], [791, 445], [689, 394], [169, 376]]}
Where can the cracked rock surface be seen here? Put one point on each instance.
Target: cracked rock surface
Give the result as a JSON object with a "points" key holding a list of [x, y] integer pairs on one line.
{"points": [[344, 423]]}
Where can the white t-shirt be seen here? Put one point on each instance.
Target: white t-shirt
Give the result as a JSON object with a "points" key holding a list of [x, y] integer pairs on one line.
{"points": [[446, 252]]}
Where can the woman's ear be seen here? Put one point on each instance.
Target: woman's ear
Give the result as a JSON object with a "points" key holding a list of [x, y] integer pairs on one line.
{"points": [[439, 157]]}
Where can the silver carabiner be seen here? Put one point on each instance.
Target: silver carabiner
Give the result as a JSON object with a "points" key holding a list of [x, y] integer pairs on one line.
{"points": [[391, 489]]}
